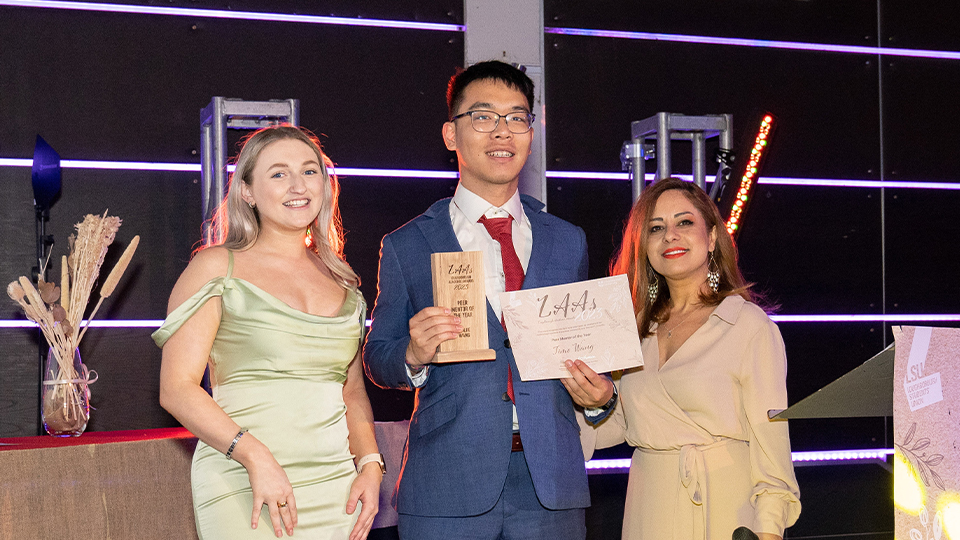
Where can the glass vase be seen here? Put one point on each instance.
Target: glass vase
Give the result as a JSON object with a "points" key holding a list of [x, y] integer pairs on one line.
{"points": [[66, 394]]}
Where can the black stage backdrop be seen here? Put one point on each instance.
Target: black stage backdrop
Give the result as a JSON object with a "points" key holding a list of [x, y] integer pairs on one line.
{"points": [[127, 87]]}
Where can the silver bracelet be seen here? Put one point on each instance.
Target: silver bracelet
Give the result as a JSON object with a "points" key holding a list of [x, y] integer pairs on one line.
{"points": [[233, 445]]}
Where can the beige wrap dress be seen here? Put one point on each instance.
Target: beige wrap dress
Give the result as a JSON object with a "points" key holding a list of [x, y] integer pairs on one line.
{"points": [[707, 459]]}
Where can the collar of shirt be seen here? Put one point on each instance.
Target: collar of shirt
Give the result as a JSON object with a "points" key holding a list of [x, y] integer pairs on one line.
{"points": [[474, 206], [465, 211], [729, 309]]}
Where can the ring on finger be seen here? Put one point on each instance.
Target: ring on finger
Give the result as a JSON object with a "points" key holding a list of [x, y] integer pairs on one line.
{"points": [[281, 505]]}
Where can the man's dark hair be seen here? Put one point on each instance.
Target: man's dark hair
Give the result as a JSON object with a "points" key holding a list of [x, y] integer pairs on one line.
{"points": [[494, 70]]}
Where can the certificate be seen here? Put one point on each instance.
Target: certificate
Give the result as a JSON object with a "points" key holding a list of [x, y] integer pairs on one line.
{"points": [[592, 321]]}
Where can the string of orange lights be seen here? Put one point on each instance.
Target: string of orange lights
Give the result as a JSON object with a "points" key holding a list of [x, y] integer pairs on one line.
{"points": [[750, 174]]}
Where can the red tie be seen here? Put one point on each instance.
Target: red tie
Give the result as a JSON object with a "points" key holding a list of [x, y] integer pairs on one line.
{"points": [[501, 229]]}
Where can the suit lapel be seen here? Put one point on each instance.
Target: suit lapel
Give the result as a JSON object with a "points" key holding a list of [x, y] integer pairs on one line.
{"points": [[438, 230], [541, 249]]}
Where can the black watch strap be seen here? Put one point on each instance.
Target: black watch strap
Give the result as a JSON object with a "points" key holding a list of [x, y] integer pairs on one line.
{"points": [[613, 400]]}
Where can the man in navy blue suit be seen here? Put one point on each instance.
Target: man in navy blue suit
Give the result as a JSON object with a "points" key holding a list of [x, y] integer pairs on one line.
{"points": [[488, 456]]}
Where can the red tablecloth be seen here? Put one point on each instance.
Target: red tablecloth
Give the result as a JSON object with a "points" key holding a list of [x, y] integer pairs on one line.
{"points": [[96, 437]]}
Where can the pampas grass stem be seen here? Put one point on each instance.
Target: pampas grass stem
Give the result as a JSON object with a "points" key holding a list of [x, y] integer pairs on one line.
{"points": [[112, 279], [64, 283]]}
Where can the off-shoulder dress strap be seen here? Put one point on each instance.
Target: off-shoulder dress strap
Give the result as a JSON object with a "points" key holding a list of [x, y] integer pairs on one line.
{"points": [[184, 311], [363, 315]]}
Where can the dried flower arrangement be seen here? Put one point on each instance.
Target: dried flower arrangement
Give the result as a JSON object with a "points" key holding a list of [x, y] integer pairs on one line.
{"points": [[58, 311]]}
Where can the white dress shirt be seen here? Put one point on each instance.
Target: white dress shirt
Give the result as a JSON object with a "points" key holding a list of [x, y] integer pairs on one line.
{"points": [[466, 209]]}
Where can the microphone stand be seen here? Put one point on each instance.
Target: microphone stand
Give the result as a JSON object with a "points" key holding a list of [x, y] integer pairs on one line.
{"points": [[44, 244], [46, 181]]}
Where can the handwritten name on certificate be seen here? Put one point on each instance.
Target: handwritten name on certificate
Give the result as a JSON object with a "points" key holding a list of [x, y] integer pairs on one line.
{"points": [[592, 321]]}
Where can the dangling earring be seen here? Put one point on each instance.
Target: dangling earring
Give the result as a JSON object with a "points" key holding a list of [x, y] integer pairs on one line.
{"points": [[653, 289], [713, 275]]}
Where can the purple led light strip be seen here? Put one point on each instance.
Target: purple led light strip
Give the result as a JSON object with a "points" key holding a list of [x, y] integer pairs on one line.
{"points": [[830, 456], [413, 173], [382, 23], [109, 165], [741, 42], [395, 173], [147, 323], [771, 180], [926, 317], [94, 324], [223, 14], [775, 181]]}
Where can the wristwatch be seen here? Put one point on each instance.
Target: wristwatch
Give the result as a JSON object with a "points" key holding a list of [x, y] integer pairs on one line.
{"points": [[372, 458], [613, 401]]}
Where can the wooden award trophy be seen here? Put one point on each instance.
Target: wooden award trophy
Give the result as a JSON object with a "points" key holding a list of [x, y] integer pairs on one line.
{"points": [[458, 284]]}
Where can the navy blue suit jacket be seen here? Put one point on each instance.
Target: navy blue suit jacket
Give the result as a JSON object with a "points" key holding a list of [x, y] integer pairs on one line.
{"points": [[458, 447]]}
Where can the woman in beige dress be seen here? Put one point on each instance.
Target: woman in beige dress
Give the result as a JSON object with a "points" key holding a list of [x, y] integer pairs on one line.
{"points": [[707, 458]]}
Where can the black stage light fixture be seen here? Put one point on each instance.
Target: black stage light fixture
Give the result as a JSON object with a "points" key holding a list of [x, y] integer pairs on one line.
{"points": [[45, 176], [725, 159], [46, 179]]}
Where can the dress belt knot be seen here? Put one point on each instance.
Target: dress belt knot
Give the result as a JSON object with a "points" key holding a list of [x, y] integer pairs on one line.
{"points": [[693, 477], [692, 472]]}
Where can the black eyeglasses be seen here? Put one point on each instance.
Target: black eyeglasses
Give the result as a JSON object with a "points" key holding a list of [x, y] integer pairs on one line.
{"points": [[487, 121]]}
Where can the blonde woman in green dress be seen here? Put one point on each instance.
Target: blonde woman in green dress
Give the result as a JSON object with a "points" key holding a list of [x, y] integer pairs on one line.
{"points": [[274, 310]]}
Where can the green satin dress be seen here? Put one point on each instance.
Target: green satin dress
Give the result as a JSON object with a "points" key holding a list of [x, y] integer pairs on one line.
{"points": [[278, 372]]}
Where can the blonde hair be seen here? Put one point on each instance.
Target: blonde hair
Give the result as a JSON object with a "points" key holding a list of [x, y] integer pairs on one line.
{"points": [[236, 225], [633, 260]]}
